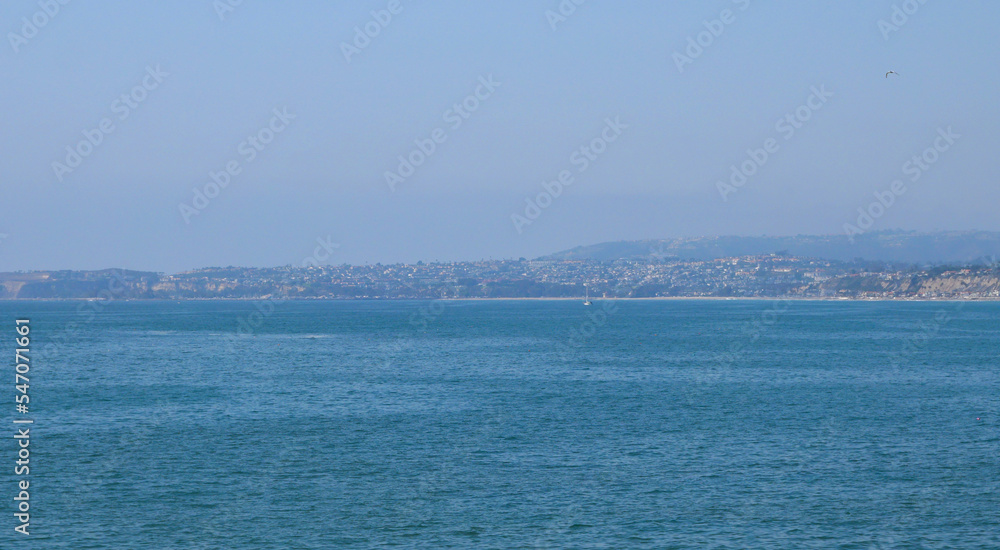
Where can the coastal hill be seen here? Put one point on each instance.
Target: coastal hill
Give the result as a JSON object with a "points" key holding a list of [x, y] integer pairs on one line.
{"points": [[885, 246], [67, 284], [901, 266]]}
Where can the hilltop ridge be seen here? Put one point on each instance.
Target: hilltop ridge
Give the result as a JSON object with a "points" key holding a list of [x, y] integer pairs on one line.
{"points": [[886, 246]]}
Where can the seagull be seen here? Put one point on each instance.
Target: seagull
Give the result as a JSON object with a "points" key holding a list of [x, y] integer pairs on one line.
{"points": [[891, 72]]}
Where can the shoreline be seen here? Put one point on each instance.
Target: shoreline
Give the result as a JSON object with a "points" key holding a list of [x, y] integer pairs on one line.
{"points": [[525, 299]]}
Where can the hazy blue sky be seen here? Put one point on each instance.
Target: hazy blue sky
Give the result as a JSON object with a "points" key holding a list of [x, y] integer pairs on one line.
{"points": [[324, 172]]}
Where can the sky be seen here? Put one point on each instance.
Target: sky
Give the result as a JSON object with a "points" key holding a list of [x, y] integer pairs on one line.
{"points": [[167, 136]]}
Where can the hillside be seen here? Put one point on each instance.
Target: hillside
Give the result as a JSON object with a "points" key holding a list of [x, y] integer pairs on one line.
{"points": [[107, 283], [904, 247]]}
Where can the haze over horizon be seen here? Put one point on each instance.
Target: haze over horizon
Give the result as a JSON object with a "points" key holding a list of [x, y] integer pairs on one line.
{"points": [[971, 250], [210, 84]]}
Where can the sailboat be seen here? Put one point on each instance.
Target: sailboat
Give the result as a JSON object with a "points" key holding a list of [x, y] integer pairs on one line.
{"points": [[586, 301]]}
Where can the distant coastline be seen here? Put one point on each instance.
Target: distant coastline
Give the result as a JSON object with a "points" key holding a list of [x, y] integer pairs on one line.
{"points": [[912, 266], [596, 301], [752, 277]]}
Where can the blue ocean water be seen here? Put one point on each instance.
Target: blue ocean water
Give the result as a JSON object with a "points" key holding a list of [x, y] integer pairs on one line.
{"points": [[509, 424]]}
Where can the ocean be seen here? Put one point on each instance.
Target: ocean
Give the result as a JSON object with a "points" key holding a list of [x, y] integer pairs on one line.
{"points": [[507, 424]]}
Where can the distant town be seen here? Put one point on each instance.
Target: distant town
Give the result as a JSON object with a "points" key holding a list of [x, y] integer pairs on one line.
{"points": [[923, 266], [756, 276]]}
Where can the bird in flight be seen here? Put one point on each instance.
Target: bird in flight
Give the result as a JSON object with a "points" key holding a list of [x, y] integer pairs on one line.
{"points": [[891, 72]]}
